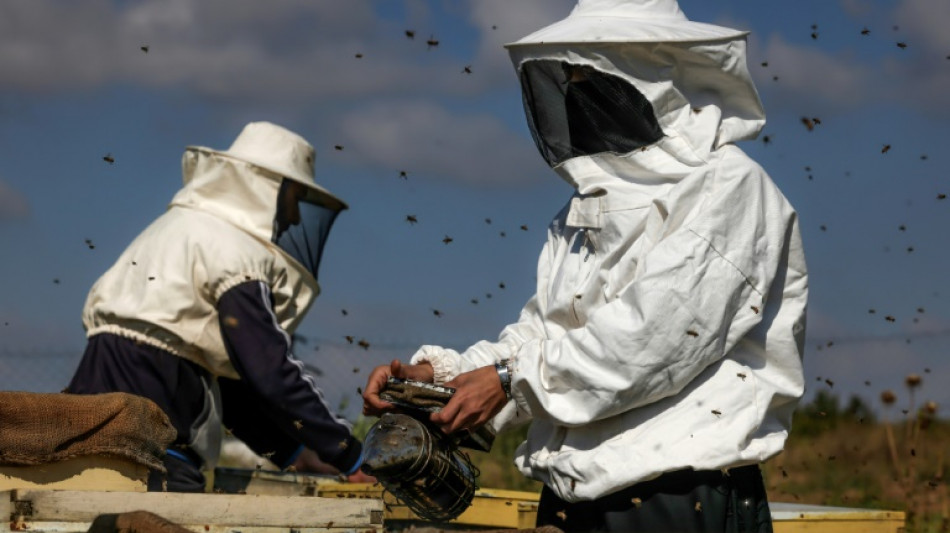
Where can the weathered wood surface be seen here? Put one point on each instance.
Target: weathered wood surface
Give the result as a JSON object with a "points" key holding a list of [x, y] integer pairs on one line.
{"points": [[244, 511], [81, 473]]}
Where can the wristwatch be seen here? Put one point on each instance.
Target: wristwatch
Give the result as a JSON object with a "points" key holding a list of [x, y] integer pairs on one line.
{"points": [[504, 374]]}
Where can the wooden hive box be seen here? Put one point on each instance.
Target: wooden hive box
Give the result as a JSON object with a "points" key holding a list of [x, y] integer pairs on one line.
{"points": [[74, 511]]}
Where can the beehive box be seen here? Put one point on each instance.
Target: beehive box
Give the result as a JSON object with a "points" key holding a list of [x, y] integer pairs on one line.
{"points": [[799, 518], [80, 473], [56, 511], [491, 508]]}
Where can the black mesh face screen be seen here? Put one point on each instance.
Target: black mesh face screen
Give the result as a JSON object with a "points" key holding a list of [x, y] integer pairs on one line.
{"points": [[301, 224], [576, 110]]}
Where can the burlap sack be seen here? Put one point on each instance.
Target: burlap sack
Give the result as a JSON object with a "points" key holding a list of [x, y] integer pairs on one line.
{"points": [[37, 428]]}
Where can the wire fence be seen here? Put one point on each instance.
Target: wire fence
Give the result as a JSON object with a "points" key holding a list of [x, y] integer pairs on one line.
{"points": [[339, 370]]}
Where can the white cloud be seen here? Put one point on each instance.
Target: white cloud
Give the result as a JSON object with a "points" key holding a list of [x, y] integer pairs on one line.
{"points": [[472, 148], [812, 75], [504, 21], [925, 24], [13, 205], [297, 49]]}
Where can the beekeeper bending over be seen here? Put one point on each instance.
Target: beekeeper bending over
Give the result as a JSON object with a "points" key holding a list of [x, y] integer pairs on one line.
{"points": [[197, 313], [660, 359]]}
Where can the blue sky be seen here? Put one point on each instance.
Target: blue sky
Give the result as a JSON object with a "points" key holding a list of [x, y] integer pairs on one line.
{"points": [[75, 86]]}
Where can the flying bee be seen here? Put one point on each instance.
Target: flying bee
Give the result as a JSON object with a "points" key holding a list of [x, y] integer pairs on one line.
{"points": [[410, 34], [447, 239], [363, 344], [692, 333], [359, 55], [755, 309], [437, 313], [344, 312], [411, 219], [717, 412], [502, 233], [467, 69], [144, 48], [830, 383], [889, 318], [338, 147], [562, 515], [902, 45], [766, 139], [524, 227], [886, 148], [487, 221], [298, 424], [349, 339], [741, 376], [432, 42], [501, 285], [108, 159], [637, 502], [765, 64], [403, 174], [90, 245], [865, 31], [941, 196], [809, 123]]}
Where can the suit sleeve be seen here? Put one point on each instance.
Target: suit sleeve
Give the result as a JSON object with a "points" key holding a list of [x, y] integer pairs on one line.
{"points": [[260, 351]]}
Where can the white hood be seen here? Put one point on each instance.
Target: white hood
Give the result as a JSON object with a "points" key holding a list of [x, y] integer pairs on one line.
{"points": [[694, 75]]}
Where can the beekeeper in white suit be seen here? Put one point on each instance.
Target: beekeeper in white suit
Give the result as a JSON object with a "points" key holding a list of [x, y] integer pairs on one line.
{"points": [[660, 359], [197, 313]]}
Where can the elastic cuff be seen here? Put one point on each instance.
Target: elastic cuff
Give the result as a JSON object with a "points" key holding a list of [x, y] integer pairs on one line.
{"points": [[351, 458], [293, 457], [181, 457], [445, 362], [359, 463]]}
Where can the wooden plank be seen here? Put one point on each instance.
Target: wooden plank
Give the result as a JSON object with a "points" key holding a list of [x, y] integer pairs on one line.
{"points": [[83, 527], [206, 509], [6, 508], [800, 518], [79, 473]]}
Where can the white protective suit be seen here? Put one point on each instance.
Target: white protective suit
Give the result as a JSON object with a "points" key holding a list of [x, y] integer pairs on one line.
{"points": [[218, 232], [668, 324]]}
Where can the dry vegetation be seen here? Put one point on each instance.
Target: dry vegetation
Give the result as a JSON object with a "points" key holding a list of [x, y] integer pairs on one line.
{"points": [[839, 456]]}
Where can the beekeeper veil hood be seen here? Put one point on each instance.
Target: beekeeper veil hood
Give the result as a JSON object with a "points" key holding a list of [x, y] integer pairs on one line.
{"points": [[264, 184], [616, 76]]}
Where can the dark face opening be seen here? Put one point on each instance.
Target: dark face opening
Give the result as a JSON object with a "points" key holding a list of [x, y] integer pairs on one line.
{"points": [[576, 110], [302, 223]]}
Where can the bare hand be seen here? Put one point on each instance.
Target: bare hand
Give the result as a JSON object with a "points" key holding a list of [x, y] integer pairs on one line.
{"points": [[372, 404], [360, 477], [478, 397]]}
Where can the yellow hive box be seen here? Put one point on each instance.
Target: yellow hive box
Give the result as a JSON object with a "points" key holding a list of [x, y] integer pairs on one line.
{"points": [[491, 508]]}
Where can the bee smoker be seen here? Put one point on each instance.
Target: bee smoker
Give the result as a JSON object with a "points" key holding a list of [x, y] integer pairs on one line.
{"points": [[420, 465]]}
